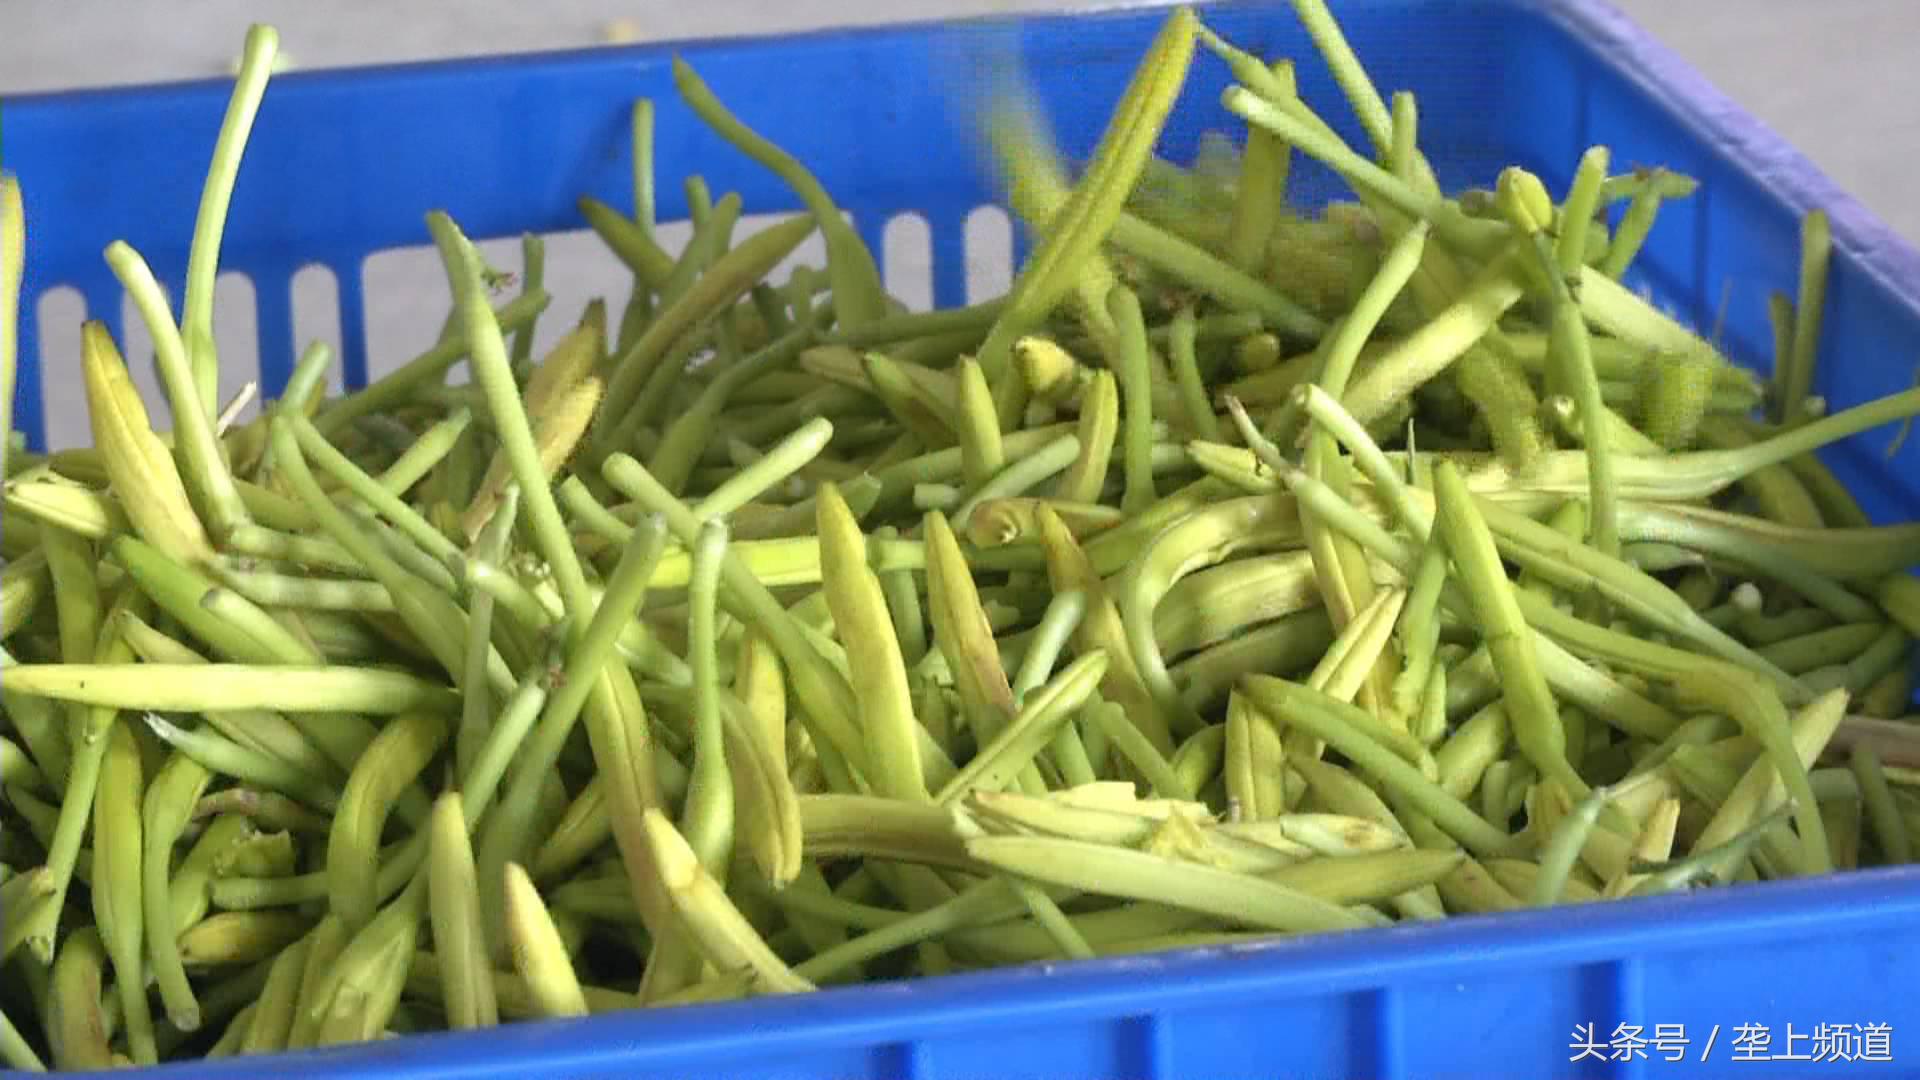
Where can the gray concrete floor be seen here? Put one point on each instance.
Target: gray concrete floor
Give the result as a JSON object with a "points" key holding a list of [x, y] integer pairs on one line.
{"points": [[1834, 77]]}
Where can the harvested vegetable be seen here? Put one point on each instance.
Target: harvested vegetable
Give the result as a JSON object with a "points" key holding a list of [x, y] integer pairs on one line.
{"points": [[1245, 570]]}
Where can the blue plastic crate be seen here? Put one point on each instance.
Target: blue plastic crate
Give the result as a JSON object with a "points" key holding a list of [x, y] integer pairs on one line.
{"points": [[344, 164]]}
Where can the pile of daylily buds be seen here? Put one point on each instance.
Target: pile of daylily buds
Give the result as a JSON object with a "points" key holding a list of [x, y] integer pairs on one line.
{"points": [[1241, 571]]}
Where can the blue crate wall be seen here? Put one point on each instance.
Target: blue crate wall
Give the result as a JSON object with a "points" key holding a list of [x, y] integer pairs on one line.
{"points": [[1474, 997], [343, 165], [1578, 74]]}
